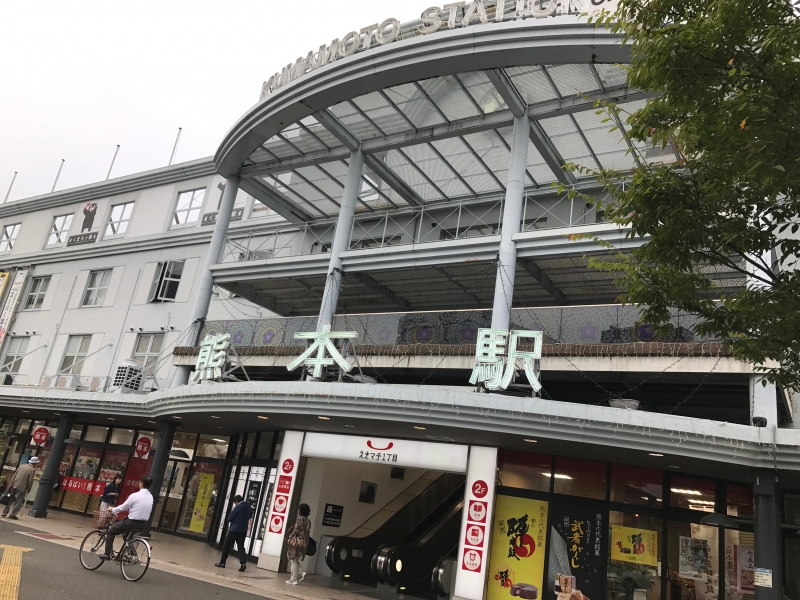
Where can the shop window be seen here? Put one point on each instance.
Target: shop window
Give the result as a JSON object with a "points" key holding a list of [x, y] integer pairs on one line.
{"points": [[694, 494], [525, 470], [187, 209], [64, 469], [23, 425], [636, 485], [166, 281], [96, 288], [791, 506], [740, 501], [201, 496], [59, 230], [36, 293], [123, 437], [94, 433], [264, 449], [113, 464], [86, 467], [739, 565], [634, 565], [76, 351], [211, 446], [76, 432], [694, 561], [118, 220], [576, 477], [15, 351], [9, 236], [183, 445]]}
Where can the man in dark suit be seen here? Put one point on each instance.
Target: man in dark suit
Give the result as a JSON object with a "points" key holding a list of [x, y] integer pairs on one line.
{"points": [[239, 519]]}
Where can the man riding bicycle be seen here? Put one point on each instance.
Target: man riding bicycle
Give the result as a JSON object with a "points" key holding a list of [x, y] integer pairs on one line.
{"points": [[139, 506]]}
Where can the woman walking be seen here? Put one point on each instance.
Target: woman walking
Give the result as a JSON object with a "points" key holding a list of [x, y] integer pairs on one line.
{"points": [[298, 543]]}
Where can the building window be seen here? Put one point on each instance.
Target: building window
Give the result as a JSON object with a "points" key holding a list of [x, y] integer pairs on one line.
{"points": [[17, 347], [165, 284], [96, 288], [9, 237], [147, 350], [36, 293], [118, 221], [59, 230], [77, 350], [188, 208]]}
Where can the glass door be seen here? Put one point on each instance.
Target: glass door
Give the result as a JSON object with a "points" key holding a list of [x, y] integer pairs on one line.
{"points": [[171, 494]]}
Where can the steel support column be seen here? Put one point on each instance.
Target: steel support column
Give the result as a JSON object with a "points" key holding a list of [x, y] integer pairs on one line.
{"points": [[159, 466], [512, 222], [50, 472], [341, 238], [767, 532], [203, 298]]}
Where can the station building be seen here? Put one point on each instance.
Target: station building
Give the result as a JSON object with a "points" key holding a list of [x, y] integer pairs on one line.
{"points": [[300, 317]]}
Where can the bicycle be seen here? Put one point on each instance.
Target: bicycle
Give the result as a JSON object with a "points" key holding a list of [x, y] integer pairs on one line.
{"points": [[133, 557]]}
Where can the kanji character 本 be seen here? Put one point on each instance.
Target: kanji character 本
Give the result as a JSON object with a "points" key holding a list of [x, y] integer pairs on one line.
{"points": [[527, 358], [489, 358], [322, 341], [212, 357]]}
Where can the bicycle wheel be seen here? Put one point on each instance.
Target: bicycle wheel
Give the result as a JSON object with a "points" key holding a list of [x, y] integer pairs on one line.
{"points": [[92, 546], [134, 559]]}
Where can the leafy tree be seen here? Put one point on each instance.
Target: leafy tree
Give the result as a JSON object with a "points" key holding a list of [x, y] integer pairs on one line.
{"points": [[725, 79]]}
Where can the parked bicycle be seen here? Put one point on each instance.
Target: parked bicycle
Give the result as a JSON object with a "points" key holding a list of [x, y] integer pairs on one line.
{"points": [[133, 557]]}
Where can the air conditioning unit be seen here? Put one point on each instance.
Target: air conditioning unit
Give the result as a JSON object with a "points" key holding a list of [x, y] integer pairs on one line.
{"points": [[128, 377]]}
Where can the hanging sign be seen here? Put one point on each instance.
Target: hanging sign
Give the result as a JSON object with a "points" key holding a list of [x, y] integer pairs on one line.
{"points": [[762, 577], [519, 536], [205, 487], [142, 447], [634, 545], [40, 435], [397, 453]]}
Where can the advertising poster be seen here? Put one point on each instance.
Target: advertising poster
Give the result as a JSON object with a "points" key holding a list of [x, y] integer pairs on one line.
{"points": [[698, 559], [87, 464], [744, 566], [578, 553], [634, 545], [114, 464], [519, 535], [205, 486]]}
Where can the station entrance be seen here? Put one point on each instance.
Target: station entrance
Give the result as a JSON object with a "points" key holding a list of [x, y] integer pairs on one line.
{"points": [[386, 513]]}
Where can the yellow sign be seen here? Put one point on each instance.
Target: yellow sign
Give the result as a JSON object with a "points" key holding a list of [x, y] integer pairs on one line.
{"points": [[10, 571], [205, 486], [631, 544], [519, 536]]}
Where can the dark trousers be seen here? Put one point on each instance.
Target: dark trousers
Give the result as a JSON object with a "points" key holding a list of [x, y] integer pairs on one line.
{"points": [[238, 537], [119, 527]]}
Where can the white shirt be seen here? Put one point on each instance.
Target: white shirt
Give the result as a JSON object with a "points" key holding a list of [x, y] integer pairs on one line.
{"points": [[139, 505]]}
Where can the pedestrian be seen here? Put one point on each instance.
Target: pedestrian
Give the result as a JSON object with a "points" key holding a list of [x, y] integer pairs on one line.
{"points": [[298, 543], [19, 486], [111, 493], [240, 518]]}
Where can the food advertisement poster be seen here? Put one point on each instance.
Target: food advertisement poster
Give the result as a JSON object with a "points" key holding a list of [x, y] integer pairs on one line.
{"points": [[744, 566], [516, 560], [205, 486], [631, 544], [576, 567]]}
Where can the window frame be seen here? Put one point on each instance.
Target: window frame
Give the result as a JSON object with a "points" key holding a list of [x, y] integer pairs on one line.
{"points": [[76, 356], [34, 290], [59, 232], [145, 357], [100, 290], [110, 223], [164, 276], [175, 221], [18, 354], [8, 240]]}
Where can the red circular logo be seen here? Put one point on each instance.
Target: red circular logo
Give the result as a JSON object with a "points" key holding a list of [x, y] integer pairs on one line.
{"points": [[143, 446], [479, 488], [40, 435], [288, 465]]}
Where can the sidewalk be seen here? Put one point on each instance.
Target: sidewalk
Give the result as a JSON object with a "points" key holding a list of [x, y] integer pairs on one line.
{"points": [[195, 559]]}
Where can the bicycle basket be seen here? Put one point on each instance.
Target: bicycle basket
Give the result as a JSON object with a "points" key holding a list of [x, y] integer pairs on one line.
{"points": [[102, 519]]}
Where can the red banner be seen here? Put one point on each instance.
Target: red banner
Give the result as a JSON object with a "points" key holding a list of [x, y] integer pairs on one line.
{"points": [[83, 486]]}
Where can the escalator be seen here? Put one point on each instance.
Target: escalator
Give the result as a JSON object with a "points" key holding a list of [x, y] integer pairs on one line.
{"points": [[352, 556], [411, 566]]}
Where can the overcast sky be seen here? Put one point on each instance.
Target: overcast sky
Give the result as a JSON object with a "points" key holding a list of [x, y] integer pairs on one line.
{"points": [[78, 77]]}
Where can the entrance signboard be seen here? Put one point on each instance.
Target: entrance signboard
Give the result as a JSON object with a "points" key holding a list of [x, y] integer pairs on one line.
{"points": [[397, 453]]}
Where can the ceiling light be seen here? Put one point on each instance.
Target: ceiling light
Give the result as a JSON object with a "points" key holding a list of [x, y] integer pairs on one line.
{"points": [[349, 425], [557, 475], [706, 502], [420, 428], [26, 411], [57, 414], [263, 417], [111, 419], [655, 454], [151, 421], [687, 492], [176, 417], [217, 440], [674, 467], [529, 441], [214, 417], [323, 418]]}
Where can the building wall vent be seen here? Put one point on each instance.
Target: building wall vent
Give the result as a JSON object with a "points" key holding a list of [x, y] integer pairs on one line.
{"points": [[128, 377]]}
